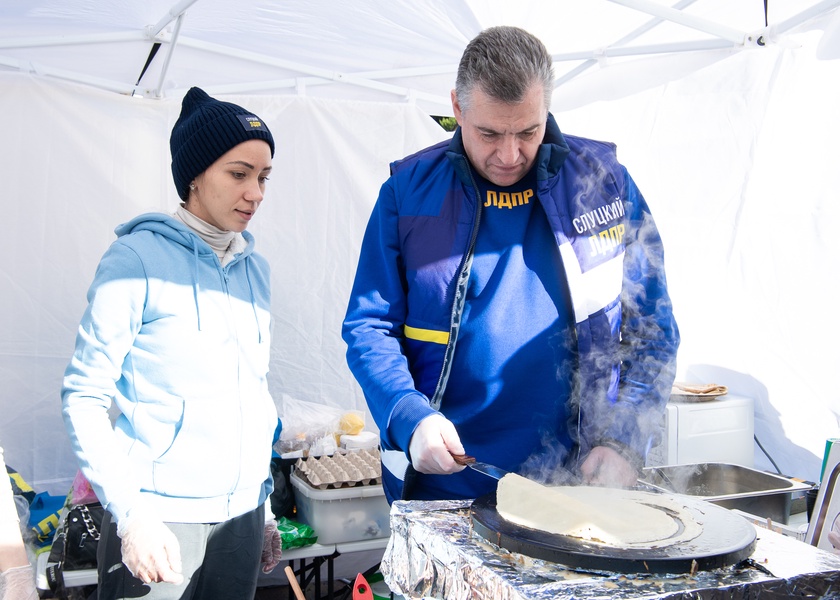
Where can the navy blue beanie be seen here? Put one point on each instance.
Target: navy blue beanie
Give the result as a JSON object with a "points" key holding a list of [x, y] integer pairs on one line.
{"points": [[205, 130]]}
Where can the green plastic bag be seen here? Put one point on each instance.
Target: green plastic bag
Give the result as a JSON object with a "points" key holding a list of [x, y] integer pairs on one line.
{"points": [[294, 534]]}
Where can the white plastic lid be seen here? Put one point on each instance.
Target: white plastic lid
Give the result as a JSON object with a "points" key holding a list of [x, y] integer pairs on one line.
{"points": [[365, 439]]}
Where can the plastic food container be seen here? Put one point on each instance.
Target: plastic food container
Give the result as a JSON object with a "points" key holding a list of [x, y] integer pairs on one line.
{"points": [[347, 514]]}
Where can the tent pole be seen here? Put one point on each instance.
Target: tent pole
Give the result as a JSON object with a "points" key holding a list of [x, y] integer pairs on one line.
{"points": [[669, 48], [592, 58], [177, 13], [165, 69], [676, 16], [71, 40], [818, 9], [47, 71], [174, 12], [642, 29], [331, 76], [301, 83]]}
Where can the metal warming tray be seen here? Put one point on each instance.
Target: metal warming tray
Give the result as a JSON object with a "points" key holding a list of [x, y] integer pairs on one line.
{"points": [[731, 486]]}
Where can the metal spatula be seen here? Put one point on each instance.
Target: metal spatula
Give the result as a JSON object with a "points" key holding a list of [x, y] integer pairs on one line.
{"points": [[489, 470], [483, 468]]}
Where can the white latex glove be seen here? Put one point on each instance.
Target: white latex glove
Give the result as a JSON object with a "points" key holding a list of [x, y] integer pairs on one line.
{"points": [[18, 583], [433, 444], [606, 467], [150, 550], [272, 547]]}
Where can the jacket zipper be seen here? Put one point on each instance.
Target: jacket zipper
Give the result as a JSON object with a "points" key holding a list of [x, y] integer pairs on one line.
{"points": [[226, 279], [458, 302]]}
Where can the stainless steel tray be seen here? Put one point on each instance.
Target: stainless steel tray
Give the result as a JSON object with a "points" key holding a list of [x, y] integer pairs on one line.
{"points": [[731, 486]]}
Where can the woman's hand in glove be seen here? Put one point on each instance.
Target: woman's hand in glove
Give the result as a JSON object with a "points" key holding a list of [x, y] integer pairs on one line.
{"points": [[272, 547], [432, 445], [150, 550]]}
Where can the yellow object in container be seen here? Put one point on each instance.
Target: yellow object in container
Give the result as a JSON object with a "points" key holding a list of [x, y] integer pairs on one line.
{"points": [[351, 423]]}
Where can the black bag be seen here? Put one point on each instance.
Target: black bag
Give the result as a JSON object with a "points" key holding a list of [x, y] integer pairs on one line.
{"points": [[75, 543], [282, 498]]}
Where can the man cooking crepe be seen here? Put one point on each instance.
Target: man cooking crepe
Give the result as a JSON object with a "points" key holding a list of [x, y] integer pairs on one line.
{"points": [[510, 300]]}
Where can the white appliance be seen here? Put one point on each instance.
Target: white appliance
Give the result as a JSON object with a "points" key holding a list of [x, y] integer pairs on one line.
{"points": [[719, 430]]}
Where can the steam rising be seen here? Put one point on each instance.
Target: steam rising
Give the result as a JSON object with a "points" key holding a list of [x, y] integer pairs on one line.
{"points": [[646, 353]]}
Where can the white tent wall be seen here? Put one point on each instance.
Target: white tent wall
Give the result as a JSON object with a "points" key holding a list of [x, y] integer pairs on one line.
{"points": [[738, 163], [75, 162]]}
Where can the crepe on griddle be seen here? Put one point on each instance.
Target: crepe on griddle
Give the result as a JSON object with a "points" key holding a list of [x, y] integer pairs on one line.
{"points": [[617, 517]]}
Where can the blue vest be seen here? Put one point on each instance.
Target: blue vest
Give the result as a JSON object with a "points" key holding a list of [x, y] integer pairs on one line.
{"points": [[580, 186], [595, 221]]}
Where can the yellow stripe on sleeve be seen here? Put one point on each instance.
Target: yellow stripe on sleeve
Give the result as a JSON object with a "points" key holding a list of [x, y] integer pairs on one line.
{"points": [[426, 335]]}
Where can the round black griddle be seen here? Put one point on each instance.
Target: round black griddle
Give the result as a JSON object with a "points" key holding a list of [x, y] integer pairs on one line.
{"points": [[726, 539]]}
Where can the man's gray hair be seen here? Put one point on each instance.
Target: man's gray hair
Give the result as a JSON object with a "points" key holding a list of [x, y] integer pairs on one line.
{"points": [[504, 62]]}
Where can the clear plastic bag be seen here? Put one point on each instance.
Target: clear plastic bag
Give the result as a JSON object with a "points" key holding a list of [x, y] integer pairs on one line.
{"points": [[311, 429]]}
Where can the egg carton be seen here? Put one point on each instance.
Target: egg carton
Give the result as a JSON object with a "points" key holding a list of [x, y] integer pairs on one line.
{"points": [[342, 469]]}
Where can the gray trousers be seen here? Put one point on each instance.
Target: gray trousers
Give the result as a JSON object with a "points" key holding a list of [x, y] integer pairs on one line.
{"points": [[220, 561]]}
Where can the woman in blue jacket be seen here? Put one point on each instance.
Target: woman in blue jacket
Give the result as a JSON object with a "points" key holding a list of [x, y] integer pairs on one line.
{"points": [[510, 299], [176, 338]]}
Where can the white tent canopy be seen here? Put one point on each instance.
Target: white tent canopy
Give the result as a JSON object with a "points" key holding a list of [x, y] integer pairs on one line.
{"points": [[726, 122], [370, 49]]}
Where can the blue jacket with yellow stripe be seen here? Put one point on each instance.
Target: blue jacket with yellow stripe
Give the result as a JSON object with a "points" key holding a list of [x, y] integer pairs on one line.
{"points": [[404, 313]]}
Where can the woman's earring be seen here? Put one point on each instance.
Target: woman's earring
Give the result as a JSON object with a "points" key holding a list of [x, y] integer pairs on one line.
{"points": [[192, 186]]}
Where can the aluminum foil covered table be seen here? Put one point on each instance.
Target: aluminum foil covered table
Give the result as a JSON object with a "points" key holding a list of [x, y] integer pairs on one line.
{"points": [[433, 552]]}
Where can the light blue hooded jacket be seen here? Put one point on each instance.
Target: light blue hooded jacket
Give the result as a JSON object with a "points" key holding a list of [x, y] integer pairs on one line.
{"points": [[179, 345]]}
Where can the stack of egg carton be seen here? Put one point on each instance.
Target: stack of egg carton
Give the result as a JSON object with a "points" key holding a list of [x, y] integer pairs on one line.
{"points": [[342, 469]]}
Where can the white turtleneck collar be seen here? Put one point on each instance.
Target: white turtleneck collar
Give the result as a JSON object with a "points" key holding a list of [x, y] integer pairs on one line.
{"points": [[225, 244]]}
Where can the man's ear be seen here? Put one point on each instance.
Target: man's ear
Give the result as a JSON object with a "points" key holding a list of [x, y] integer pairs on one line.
{"points": [[456, 107]]}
